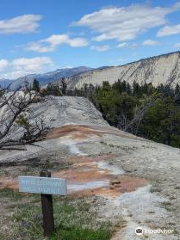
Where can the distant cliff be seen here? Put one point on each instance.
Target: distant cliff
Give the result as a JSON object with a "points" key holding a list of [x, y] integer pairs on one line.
{"points": [[161, 69]]}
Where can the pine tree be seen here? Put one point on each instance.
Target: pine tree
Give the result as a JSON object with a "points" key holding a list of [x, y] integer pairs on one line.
{"points": [[36, 86], [63, 86]]}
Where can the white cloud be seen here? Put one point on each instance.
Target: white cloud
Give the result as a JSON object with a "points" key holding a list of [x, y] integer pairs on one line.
{"points": [[177, 45], [67, 67], [77, 42], [123, 45], [12, 75], [125, 23], [169, 30], [50, 44], [100, 48], [127, 45], [22, 66], [3, 64], [150, 42], [22, 24], [30, 64]]}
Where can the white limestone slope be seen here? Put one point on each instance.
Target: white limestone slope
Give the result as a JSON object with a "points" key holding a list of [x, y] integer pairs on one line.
{"points": [[101, 153], [162, 69]]}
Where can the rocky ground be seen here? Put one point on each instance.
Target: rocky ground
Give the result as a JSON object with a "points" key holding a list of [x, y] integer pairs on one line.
{"points": [[135, 181]]}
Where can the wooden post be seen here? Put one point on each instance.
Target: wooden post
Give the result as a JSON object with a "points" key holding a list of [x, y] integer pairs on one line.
{"points": [[47, 209]]}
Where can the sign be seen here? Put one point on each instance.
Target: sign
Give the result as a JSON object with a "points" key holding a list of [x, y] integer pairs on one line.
{"points": [[42, 185], [46, 186]]}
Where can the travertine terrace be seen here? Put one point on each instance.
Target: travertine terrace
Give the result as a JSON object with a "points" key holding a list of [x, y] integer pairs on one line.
{"points": [[136, 181]]}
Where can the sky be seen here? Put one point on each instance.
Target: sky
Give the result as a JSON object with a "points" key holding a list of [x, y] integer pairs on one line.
{"points": [[38, 36]]}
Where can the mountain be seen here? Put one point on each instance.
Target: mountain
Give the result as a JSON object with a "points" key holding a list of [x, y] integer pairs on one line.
{"points": [[48, 77], [156, 70], [5, 82]]}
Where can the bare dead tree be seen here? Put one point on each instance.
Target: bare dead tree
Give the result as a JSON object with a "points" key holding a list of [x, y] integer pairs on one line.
{"points": [[140, 112], [13, 106], [122, 120]]}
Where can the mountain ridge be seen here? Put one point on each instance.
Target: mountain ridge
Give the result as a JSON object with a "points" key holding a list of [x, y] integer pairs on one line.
{"points": [[130, 72], [45, 78], [162, 69]]}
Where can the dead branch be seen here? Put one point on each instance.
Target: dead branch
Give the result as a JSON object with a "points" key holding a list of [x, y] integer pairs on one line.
{"points": [[12, 107]]}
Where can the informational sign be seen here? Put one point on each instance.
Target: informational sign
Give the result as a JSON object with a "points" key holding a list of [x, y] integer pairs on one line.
{"points": [[46, 186], [42, 185]]}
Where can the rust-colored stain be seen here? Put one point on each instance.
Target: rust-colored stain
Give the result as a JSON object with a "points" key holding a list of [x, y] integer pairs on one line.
{"points": [[83, 175], [84, 132], [76, 132], [128, 184], [85, 172], [89, 159]]}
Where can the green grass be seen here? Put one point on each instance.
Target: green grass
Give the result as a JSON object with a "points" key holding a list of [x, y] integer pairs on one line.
{"points": [[75, 218], [15, 195], [81, 234], [10, 193], [73, 221]]}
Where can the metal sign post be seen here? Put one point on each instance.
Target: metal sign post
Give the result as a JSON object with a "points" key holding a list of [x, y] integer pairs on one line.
{"points": [[46, 186]]}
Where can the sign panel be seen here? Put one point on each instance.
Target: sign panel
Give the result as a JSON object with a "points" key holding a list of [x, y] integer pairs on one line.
{"points": [[42, 185]]}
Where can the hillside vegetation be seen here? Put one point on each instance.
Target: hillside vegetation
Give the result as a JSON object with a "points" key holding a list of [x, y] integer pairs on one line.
{"points": [[144, 110]]}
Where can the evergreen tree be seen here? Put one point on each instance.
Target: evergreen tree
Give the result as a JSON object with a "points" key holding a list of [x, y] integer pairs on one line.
{"points": [[36, 86], [64, 86]]}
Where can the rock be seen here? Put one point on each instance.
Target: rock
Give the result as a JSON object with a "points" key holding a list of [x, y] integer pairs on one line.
{"points": [[117, 185], [115, 181]]}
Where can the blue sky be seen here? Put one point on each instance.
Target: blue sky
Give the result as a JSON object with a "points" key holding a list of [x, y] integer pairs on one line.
{"points": [[39, 36]]}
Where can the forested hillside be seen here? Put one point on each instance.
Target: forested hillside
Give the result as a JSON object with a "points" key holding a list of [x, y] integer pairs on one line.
{"points": [[144, 110]]}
